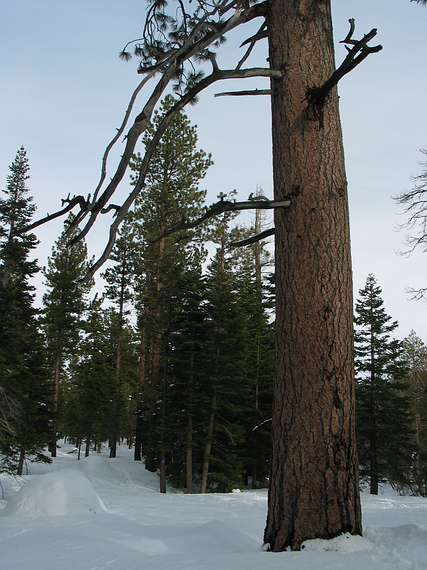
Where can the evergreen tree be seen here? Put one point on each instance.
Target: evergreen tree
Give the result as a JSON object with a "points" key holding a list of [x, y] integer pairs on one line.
{"points": [[64, 305], [385, 439], [226, 390], [90, 381], [172, 192], [253, 296], [23, 374], [415, 354], [119, 291]]}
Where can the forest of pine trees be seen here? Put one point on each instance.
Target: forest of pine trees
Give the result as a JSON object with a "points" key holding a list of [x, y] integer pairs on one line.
{"points": [[176, 357]]}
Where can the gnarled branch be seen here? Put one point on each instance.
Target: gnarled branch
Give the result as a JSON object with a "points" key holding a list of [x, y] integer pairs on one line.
{"points": [[71, 203], [191, 47], [356, 54], [150, 149]]}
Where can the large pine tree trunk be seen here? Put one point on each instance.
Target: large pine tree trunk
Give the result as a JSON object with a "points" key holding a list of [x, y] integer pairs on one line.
{"points": [[314, 481]]}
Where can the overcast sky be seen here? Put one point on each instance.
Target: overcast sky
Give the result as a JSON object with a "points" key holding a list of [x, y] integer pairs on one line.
{"points": [[64, 91]]}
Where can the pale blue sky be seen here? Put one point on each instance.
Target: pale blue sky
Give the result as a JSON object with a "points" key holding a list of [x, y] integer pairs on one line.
{"points": [[64, 91]]}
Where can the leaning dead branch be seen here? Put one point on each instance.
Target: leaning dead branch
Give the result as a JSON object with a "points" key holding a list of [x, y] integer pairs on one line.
{"points": [[357, 53], [216, 75], [168, 61]]}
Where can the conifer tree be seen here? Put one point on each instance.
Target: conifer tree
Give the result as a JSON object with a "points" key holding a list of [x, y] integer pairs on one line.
{"points": [[64, 304], [415, 354], [90, 381], [385, 440], [172, 193], [226, 389], [119, 291], [253, 296], [23, 374]]}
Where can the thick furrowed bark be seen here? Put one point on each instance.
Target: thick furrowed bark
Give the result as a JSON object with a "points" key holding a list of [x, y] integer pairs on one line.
{"points": [[314, 481]]}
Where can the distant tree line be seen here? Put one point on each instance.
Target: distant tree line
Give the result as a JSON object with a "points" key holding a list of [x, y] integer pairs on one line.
{"points": [[177, 356]]}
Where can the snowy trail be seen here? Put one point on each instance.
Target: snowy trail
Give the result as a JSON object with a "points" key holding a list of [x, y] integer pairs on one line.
{"points": [[100, 514]]}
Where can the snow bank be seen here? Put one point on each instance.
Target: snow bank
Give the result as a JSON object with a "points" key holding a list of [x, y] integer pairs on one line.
{"points": [[58, 493], [344, 543]]}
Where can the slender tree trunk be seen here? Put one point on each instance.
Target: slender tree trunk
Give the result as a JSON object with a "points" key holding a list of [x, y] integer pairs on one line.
{"points": [[314, 489], [208, 447], [258, 281], [56, 379], [87, 446], [189, 439], [117, 392], [373, 447], [163, 434], [20, 468], [116, 404], [138, 430], [79, 447], [154, 375]]}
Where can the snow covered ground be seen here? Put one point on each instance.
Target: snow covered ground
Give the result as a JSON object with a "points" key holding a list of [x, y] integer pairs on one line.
{"points": [[106, 514]]}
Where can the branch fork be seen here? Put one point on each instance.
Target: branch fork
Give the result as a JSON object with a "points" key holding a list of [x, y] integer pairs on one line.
{"points": [[357, 51]]}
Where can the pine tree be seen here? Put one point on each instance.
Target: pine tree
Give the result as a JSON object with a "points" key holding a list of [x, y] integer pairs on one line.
{"points": [[385, 439], [119, 291], [64, 305], [226, 390], [23, 375], [90, 381], [415, 354], [172, 192], [252, 288]]}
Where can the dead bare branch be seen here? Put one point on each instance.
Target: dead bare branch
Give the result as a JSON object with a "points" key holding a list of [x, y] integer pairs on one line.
{"points": [[254, 239], [71, 203], [191, 47], [150, 148], [356, 54], [221, 207], [261, 33], [250, 93]]}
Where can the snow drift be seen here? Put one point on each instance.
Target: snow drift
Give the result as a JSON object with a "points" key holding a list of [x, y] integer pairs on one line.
{"points": [[59, 493]]}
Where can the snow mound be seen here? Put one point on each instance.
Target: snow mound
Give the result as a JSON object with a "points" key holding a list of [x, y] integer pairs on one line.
{"points": [[343, 543], [64, 492]]}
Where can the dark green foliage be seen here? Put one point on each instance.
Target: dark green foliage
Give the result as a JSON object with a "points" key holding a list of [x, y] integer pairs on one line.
{"points": [[119, 290], [385, 437], [23, 374], [64, 304], [172, 192], [90, 380], [415, 354]]}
